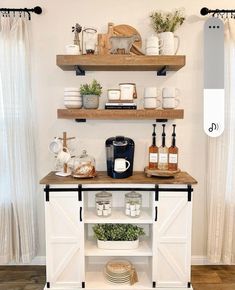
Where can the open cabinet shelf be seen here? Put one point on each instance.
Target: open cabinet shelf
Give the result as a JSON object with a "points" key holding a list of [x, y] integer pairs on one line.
{"points": [[120, 62], [119, 114]]}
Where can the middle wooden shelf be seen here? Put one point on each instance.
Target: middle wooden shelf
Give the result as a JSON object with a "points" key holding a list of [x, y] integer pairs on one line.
{"points": [[99, 114]]}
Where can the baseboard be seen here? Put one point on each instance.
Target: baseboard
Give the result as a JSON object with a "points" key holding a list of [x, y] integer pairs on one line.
{"points": [[199, 260], [37, 261]]}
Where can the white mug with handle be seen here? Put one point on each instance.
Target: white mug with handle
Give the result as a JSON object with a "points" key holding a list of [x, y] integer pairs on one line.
{"points": [[169, 97], [168, 39], [121, 165], [55, 145], [64, 155]]}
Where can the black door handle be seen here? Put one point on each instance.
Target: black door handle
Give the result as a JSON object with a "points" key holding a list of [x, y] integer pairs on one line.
{"points": [[156, 212], [80, 214]]}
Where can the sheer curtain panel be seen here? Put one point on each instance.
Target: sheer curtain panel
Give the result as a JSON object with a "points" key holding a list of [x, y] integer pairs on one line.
{"points": [[221, 169], [17, 156]]}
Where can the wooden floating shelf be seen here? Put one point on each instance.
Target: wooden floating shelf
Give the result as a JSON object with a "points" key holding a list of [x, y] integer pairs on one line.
{"points": [[119, 114], [120, 62]]}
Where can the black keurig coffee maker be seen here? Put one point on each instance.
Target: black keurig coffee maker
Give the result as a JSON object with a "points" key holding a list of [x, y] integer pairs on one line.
{"points": [[120, 156]]}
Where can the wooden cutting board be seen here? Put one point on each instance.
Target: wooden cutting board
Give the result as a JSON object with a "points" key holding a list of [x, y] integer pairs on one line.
{"points": [[127, 30]]}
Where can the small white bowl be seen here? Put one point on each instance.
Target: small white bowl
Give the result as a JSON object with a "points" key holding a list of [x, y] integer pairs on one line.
{"points": [[71, 89], [71, 93], [72, 98], [73, 105]]}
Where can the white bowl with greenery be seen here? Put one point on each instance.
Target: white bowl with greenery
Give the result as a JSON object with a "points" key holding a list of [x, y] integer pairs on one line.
{"points": [[90, 94], [117, 236]]}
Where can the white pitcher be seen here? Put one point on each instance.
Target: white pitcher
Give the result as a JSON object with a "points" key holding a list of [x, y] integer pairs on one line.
{"points": [[169, 46]]}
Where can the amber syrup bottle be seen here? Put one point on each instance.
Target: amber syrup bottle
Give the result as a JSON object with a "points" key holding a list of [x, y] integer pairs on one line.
{"points": [[163, 152], [153, 151], [173, 152]]}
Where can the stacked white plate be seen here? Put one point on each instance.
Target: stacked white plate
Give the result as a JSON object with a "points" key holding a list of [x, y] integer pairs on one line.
{"points": [[72, 98], [118, 271]]}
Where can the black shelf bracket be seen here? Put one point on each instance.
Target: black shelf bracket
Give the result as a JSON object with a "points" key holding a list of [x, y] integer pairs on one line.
{"points": [[79, 71], [161, 120], [80, 120], [162, 71]]}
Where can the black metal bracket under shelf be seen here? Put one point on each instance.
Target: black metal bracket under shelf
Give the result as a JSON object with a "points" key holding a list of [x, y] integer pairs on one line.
{"points": [[78, 120], [162, 71], [79, 71]]}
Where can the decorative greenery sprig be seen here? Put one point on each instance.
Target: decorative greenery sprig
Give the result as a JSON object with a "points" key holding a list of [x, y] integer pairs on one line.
{"points": [[167, 21], [117, 232], [91, 89]]}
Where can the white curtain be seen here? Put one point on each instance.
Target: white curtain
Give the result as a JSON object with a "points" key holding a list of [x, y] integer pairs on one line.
{"points": [[220, 177], [17, 164]]}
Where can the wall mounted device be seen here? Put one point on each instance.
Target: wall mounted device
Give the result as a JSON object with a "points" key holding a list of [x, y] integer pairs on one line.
{"points": [[213, 77]]}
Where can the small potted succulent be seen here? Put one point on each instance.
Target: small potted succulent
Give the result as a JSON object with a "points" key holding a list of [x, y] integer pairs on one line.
{"points": [[117, 236], [90, 94], [165, 24]]}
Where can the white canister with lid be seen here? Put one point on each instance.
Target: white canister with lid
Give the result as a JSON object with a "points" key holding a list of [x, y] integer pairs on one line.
{"points": [[114, 94], [127, 91]]}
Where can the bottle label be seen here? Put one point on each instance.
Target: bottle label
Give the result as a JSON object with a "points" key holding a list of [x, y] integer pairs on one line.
{"points": [[173, 158], [163, 158], [153, 157]]}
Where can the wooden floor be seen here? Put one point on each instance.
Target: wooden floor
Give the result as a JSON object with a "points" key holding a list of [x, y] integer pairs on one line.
{"points": [[33, 277]]}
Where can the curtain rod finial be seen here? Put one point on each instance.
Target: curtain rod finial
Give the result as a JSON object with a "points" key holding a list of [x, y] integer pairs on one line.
{"points": [[204, 11], [37, 10]]}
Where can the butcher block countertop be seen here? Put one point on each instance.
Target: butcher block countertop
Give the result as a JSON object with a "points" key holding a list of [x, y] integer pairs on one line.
{"points": [[138, 177]]}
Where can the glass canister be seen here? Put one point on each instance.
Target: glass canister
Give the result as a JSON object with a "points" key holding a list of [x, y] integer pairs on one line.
{"points": [[133, 204], [89, 40], [103, 203]]}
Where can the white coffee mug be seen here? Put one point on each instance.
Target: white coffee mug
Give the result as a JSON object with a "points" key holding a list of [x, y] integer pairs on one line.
{"points": [[168, 39], [56, 145], [64, 155], [151, 92], [169, 98], [121, 165], [170, 92], [151, 103], [170, 103]]}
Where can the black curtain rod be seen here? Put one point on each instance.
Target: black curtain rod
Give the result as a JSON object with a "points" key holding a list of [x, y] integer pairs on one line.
{"points": [[37, 10], [219, 12]]}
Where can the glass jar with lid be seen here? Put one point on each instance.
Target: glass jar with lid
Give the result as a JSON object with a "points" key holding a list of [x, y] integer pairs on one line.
{"points": [[103, 203], [83, 166], [133, 204]]}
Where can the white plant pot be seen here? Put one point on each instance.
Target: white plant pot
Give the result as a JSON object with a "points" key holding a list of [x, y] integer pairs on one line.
{"points": [[118, 245]]}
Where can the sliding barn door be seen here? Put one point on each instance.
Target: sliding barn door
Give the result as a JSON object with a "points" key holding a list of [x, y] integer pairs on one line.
{"points": [[172, 240], [64, 240]]}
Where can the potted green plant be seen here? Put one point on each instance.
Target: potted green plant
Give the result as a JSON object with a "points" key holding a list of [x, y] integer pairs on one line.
{"points": [[90, 94], [117, 236], [165, 24]]}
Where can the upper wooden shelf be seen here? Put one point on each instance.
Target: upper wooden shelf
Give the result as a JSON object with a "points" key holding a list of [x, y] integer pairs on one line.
{"points": [[81, 63], [119, 114]]}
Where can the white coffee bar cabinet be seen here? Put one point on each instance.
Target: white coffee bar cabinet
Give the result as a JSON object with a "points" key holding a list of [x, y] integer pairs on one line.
{"points": [[163, 258]]}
